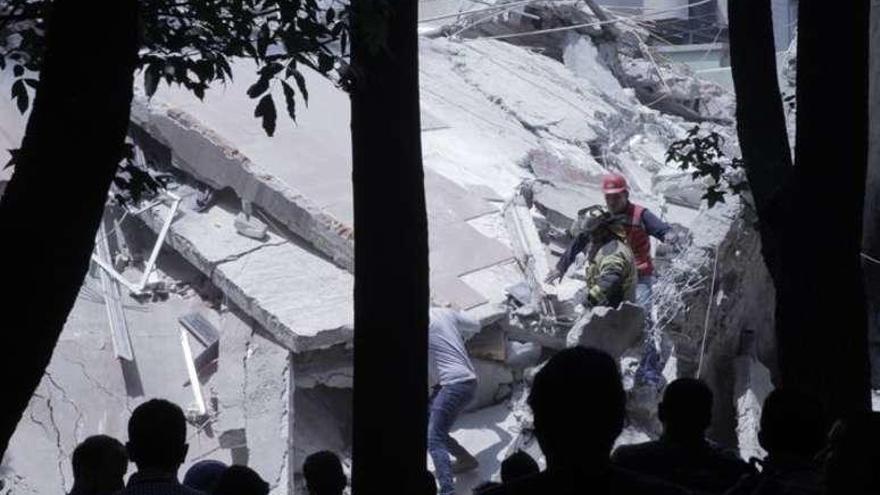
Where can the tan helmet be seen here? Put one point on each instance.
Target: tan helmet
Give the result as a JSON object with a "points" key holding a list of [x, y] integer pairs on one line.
{"points": [[594, 218]]}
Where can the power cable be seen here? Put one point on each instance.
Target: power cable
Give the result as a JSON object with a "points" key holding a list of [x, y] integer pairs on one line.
{"points": [[590, 24], [708, 312]]}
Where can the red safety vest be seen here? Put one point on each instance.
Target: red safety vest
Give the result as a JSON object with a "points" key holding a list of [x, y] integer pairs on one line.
{"points": [[639, 240]]}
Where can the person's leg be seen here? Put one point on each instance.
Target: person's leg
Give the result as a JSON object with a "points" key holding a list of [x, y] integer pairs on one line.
{"points": [[649, 367], [464, 461], [445, 407], [644, 294]]}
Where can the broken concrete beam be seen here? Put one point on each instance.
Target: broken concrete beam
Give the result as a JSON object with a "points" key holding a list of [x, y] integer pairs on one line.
{"points": [[302, 300], [494, 383], [613, 330], [207, 156], [529, 331], [490, 344], [332, 368], [521, 355], [527, 248]]}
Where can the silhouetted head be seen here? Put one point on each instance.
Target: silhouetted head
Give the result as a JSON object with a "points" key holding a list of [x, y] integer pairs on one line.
{"points": [[203, 475], [792, 424], [484, 487], [578, 403], [852, 460], [323, 474], [518, 465], [240, 480], [686, 410], [157, 436], [99, 465]]}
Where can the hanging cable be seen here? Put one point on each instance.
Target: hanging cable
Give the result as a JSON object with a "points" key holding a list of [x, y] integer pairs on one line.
{"points": [[708, 312]]}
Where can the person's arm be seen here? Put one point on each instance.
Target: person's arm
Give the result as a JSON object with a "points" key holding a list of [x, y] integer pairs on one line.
{"points": [[567, 258], [466, 324], [654, 226], [570, 254], [608, 283]]}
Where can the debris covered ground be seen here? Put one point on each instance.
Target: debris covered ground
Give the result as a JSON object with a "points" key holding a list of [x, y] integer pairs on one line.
{"points": [[515, 139]]}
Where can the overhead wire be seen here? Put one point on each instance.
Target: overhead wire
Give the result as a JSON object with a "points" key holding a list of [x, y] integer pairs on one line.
{"points": [[499, 6], [593, 23]]}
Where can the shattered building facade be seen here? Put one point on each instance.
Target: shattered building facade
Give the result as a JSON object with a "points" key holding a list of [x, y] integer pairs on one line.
{"points": [[251, 290]]}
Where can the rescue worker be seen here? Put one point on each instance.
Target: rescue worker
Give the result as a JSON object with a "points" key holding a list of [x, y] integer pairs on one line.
{"points": [[611, 273], [451, 369], [639, 224]]}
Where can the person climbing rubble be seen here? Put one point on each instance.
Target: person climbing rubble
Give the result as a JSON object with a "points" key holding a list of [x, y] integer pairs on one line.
{"points": [[451, 370], [640, 224], [611, 272]]}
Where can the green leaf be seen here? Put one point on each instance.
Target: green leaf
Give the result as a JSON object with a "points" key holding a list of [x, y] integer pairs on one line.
{"points": [[301, 84], [266, 110], [325, 63], [263, 40], [19, 92], [18, 71], [151, 78], [32, 82], [289, 99], [259, 87], [13, 157], [713, 196], [270, 70]]}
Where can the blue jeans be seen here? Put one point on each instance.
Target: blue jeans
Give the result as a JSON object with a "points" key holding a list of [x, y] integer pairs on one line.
{"points": [[649, 368], [446, 405]]}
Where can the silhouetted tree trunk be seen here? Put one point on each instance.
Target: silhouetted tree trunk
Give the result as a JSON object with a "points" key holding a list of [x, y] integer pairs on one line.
{"points": [[871, 235], [51, 209], [391, 252], [810, 215]]}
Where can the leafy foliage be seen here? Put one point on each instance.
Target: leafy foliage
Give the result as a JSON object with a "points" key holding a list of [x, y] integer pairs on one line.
{"points": [[134, 183], [190, 43], [701, 153]]}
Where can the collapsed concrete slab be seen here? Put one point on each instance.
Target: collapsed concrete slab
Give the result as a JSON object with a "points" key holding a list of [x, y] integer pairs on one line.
{"points": [[303, 301], [614, 330], [87, 391], [310, 194]]}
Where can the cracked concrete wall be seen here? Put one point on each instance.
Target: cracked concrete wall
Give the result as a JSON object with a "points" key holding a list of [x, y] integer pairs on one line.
{"points": [[87, 391]]}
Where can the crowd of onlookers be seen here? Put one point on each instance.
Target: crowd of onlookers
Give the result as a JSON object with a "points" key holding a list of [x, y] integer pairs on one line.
{"points": [[157, 446], [579, 404]]}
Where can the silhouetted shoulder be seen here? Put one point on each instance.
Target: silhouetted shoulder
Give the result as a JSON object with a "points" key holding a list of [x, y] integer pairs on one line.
{"points": [[616, 481], [627, 455]]}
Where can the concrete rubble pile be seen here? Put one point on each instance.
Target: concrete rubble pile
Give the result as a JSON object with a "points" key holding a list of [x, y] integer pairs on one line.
{"points": [[515, 141]]}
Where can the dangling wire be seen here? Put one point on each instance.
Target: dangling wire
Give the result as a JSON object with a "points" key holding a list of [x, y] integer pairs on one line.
{"points": [[708, 312]]}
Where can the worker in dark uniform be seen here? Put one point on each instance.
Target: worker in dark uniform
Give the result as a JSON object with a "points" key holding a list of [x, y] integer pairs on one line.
{"points": [[611, 272]]}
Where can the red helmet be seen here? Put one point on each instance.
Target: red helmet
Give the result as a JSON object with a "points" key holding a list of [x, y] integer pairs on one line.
{"points": [[613, 184]]}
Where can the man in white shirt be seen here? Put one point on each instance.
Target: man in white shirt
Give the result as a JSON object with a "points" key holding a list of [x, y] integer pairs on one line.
{"points": [[452, 372]]}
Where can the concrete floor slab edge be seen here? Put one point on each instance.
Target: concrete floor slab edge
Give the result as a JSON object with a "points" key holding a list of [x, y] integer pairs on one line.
{"points": [[297, 212], [285, 336]]}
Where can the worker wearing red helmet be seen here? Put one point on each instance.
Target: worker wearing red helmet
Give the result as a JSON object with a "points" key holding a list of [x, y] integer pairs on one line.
{"points": [[640, 225]]}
